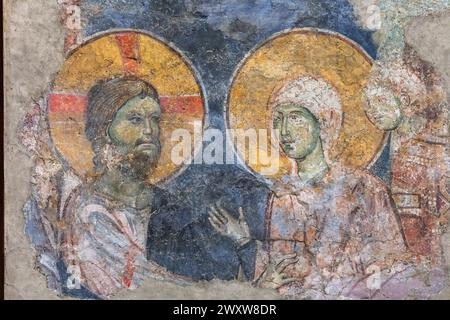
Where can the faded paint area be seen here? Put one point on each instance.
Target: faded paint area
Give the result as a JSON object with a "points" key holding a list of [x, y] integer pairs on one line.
{"points": [[358, 88], [419, 148]]}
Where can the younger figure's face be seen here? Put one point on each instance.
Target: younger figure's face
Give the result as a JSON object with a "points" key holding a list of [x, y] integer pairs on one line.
{"points": [[298, 129], [135, 128]]}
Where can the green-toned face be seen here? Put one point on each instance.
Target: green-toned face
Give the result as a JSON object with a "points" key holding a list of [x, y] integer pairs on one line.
{"points": [[135, 127], [299, 130]]}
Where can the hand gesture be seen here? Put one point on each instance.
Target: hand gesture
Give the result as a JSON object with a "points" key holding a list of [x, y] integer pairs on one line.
{"points": [[274, 277], [225, 224]]}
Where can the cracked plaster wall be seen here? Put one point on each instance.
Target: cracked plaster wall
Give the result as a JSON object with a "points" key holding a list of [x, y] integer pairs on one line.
{"points": [[34, 41]]}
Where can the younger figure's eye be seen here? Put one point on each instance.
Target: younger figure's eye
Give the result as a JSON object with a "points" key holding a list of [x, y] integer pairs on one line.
{"points": [[296, 118], [276, 121], [134, 119]]}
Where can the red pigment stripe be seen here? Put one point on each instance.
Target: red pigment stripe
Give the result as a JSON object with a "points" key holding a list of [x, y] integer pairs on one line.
{"points": [[67, 103], [62, 102], [129, 49], [127, 277], [192, 105]]}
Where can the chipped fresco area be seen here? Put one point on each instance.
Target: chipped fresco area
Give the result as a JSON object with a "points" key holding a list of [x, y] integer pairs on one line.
{"points": [[402, 101]]}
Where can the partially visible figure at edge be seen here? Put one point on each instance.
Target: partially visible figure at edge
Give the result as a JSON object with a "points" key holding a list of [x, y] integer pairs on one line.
{"points": [[407, 99]]}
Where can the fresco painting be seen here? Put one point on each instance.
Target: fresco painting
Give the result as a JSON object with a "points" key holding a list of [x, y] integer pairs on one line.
{"points": [[183, 142]]}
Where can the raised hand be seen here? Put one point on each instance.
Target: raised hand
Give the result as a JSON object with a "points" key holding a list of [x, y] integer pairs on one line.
{"points": [[225, 224], [274, 277]]}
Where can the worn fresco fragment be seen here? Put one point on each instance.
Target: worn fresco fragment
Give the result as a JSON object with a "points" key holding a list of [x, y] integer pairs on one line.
{"points": [[408, 100], [317, 163]]}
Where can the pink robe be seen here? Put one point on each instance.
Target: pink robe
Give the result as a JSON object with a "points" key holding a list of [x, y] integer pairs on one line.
{"points": [[343, 229]]}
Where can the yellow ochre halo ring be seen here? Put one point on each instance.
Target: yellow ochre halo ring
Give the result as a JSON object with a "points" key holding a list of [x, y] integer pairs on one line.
{"points": [[114, 54], [297, 53]]}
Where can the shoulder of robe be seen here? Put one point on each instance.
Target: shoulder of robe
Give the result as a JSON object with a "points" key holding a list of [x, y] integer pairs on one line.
{"points": [[362, 180], [84, 202]]}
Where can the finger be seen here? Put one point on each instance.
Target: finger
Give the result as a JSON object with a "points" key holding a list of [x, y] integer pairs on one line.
{"points": [[212, 212], [215, 225], [217, 211], [288, 280], [285, 263], [216, 220], [280, 259], [225, 214], [218, 216], [218, 207], [290, 255], [241, 214], [222, 211]]}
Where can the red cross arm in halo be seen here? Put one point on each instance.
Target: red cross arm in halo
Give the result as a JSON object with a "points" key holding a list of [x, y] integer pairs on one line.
{"points": [[128, 44], [191, 105]]}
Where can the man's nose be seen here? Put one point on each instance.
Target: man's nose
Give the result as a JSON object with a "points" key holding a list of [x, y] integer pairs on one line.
{"points": [[147, 127]]}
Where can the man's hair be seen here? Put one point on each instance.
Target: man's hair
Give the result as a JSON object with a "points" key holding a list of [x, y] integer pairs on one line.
{"points": [[106, 98]]}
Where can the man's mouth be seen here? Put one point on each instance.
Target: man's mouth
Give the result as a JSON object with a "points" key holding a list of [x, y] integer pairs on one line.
{"points": [[145, 145]]}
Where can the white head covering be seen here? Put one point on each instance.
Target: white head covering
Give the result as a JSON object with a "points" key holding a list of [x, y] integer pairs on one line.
{"points": [[321, 99]]}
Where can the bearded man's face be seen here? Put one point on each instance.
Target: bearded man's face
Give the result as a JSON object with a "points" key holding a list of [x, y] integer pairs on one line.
{"points": [[134, 134]]}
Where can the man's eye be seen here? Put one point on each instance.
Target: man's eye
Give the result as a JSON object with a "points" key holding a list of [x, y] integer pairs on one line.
{"points": [[156, 119], [135, 119]]}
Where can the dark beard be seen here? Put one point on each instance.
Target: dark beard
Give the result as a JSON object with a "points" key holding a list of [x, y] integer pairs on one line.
{"points": [[136, 164], [139, 165]]}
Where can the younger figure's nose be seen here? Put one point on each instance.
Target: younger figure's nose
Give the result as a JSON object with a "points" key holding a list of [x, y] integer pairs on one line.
{"points": [[284, 127]]}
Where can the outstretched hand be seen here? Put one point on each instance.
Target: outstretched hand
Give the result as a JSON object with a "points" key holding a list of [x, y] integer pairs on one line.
{"points": [[225, 224], [274, 277]]}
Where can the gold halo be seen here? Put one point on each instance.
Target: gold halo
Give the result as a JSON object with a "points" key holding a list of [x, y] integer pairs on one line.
{"points": [[116, 54], [293, 54]]}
